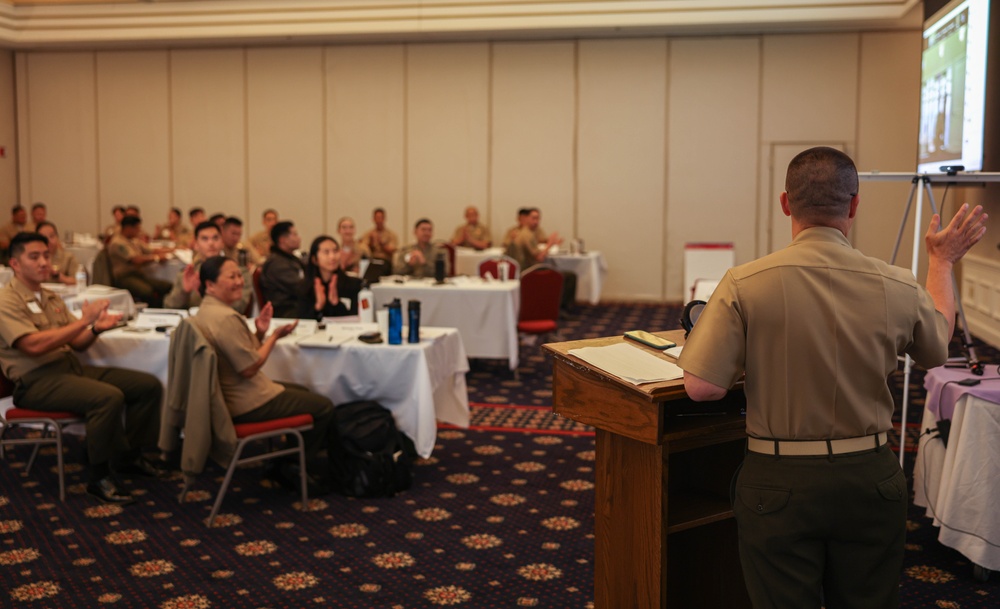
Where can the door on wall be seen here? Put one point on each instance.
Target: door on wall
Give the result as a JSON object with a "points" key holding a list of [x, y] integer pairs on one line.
{"points": [[779, 232]]}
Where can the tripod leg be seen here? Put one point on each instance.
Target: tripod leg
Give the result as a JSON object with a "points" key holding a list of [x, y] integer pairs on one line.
{"points": [[902, 225]]}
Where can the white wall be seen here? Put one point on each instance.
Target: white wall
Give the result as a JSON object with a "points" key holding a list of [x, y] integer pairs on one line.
{"points": [[635, 145]]}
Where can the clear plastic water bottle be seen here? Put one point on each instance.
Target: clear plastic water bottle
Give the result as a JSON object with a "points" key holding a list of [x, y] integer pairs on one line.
{"points": [[395, 322], [81, 278], [413, 313]]}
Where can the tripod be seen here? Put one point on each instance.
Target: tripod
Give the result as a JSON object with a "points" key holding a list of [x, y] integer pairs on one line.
{"points": [[920, 184]]}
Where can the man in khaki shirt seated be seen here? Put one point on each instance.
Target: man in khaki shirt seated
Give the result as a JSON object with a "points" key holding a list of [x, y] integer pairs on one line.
{"points": [[185, 292], [814, 330], [117, 212], [18, 224], [417, 259], [261, 241], [473, 233], [36, 336], [531, 246], [234, 247], [380, 241], [63, 264], [250, 395], [128, 254]]}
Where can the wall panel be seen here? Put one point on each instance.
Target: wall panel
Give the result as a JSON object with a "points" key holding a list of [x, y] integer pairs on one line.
{"points": [[622, 101], [365, 133], [285, 114], [534, 121], [133, 133], [447, 126], [208, 129], [712, 164], [8, 130], [59, 162]]}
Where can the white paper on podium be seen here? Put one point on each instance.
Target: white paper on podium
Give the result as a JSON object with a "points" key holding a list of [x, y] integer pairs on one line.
{"points": [[629, 363]]}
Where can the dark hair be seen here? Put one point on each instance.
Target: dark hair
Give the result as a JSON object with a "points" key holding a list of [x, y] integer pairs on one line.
{"points": [[233, 221], [210, 270], [45, 223], [20, 240], [217, 217], [312, 270], [195, 210], [177, 210], [524, 211], [206, 225], [130, 221], [820, 184], [134, 208], [377, 210], [120, 208], [38, 205], [16, 208], [278, 231], [422, 221]]}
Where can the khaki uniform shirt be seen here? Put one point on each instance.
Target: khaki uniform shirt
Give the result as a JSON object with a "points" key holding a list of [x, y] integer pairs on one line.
{"points": [[63, 262], [377, 243], [10, 230], [478, 232], [178, 298], [253, 258], [350, 256], [430, 252], [121, 251], [817, 328], [22, 314], [524, 246], [236, 347], [261, 241]]}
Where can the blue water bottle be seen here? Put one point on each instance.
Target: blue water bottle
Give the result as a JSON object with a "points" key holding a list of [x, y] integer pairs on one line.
{"points": [[413, 313], [395, 322]]}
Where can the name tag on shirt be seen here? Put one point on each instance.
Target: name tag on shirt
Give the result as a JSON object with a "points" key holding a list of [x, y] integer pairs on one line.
{"points": [[34, 308]]}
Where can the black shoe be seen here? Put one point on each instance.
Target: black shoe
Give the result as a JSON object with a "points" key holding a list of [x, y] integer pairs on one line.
{"points": [[287, 476], [143, 467], [107, 491]]}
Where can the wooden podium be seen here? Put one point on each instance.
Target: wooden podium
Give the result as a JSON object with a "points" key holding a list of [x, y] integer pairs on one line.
{"points": [[664, 527]]}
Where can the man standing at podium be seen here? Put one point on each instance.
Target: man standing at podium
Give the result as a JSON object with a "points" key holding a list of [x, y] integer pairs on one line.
{"points": [[820, 500]]}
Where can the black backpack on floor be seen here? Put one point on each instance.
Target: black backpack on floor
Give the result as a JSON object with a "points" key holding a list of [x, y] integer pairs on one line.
{"points": [[378, 458]]}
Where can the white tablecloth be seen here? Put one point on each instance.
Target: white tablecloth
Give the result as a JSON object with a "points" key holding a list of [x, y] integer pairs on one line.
{"points": [[419, 383], [166, 270], [590, 269], [84, 254], [485, 312], [960, 485], [467, 259], [120, 299]]}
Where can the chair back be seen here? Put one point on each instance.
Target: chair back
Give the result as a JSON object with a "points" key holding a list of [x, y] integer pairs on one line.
{"points": [[258, 292], [541, 288], [450, 249], [491, 267], [6, 386], [102, 272]]}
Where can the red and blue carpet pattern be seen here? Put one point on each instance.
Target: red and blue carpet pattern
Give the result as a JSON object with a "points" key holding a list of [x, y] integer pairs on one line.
{"points": [[500, 516]]}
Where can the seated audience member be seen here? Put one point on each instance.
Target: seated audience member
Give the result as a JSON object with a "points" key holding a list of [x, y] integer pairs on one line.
{"points": [[185, 292], [261, 240], [250, 395], [380, 241], [417, 259], [134, 211], [218, 219], [174, 229], [128, 254], [233, 246], [118, 212], [473, 233], [121, 407], [282, 273], [196, 216], [39, 214], [326, 285], [18, 224], [511, 234], [351, 250], [62, 264], [531, 247]]}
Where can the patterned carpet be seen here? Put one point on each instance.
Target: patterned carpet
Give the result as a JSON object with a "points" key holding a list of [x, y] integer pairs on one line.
{"points": [[500, 516]]}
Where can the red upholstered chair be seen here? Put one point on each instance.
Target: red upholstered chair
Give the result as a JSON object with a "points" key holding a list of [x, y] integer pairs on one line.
{"points": [[490, 267], [258, 293], [541, 287], [448, 247], [193, 376], [52, 424]]}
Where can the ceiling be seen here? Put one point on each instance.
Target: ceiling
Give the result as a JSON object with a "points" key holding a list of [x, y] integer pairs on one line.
{"points": [[42, 24]]}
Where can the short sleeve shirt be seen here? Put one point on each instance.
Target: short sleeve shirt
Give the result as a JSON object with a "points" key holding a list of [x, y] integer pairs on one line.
{"points": [[22, 314], [816, 328], [64, 262], [378, 242], [121, 251], [236, 349], [479, 232]]}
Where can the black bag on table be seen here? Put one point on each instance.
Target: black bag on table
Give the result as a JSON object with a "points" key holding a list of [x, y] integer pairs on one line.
{"points": [[378, 457]]}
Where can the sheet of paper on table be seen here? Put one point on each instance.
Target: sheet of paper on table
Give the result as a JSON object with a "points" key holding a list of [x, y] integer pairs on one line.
{"points": [[630, 363]]}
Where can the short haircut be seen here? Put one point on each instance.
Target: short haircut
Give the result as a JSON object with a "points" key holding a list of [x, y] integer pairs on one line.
{"points": [[38, 205], [195, 211], [44, 223], [377, 210], [233, 221], [130, 221], [820, 184], [217, 217], [16, 208], [269, 211], [210, 270], [206, 225], [279, 230], [524, 211], [177, 210], [422, 221], [20, 240], [134, 208], [120, 208]]}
